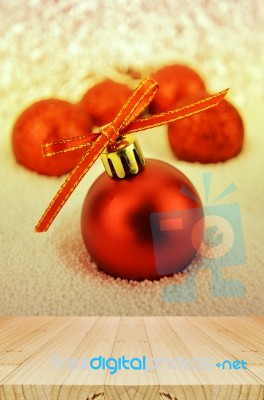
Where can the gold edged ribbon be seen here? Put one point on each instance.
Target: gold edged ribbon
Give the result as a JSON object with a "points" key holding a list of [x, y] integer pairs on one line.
{"points": [[125, 122]]}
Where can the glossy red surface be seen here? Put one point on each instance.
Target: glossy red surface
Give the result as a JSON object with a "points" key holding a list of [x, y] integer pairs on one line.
{"points": [[116, 223]]}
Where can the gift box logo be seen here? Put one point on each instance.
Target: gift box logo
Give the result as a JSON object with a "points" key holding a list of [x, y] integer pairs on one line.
{"points": [[222, 245]]}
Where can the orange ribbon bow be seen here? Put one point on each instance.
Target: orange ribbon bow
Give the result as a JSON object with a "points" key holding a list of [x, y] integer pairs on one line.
{"points": [[124, 123]]}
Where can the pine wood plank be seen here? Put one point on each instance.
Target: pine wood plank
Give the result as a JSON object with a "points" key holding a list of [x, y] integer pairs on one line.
{"points": [[35, 379], [215, 392], [38, 369], [165, 343], [98, 341], [12, 323], [126, 392], [77, 392], [5, 370], [237, 345], [132, 341], [88, 384], [257, 322], [26, 392], [258, 370], [235, 325], [29, 340], [5, 320], [202, 346], [17, 330]]}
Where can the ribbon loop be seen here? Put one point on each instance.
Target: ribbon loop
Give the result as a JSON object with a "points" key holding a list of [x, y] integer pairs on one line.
{"points": [[136, 104], [65, 145], [125, 122]]}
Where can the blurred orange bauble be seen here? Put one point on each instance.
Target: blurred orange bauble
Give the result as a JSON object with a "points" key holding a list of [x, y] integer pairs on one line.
{"points": [[175, 83], [47, 121], [211, 136], [104, 100]]}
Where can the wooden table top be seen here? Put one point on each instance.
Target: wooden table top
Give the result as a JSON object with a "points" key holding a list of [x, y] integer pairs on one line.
{"points": [[40, 358]]}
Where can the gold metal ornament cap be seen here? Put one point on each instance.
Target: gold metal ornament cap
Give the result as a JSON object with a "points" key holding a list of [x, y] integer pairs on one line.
{"points": [[124, 159]]}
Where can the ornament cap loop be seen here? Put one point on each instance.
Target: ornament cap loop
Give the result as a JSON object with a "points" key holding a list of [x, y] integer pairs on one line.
{"points": [[124, 159]]}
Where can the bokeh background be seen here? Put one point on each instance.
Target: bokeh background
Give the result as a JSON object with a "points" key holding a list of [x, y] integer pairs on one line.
{"points": [[60, 49]]}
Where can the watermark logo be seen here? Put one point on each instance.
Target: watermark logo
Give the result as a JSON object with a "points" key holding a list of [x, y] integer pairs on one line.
{"points": [[236, 364], [143, 363], [222, 245]]}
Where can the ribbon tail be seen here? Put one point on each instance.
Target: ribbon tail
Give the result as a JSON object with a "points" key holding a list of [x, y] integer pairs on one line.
{"points": [[179, 113], [71, 182]]}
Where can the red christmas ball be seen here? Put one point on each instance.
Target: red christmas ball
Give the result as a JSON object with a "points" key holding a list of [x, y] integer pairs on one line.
{"points": [[175, 83], [104, 100], [211, 136], [47, 121], [142, 227]]}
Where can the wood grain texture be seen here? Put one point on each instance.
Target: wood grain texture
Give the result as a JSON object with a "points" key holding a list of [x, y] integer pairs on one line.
{"points": [[40, 358]]}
